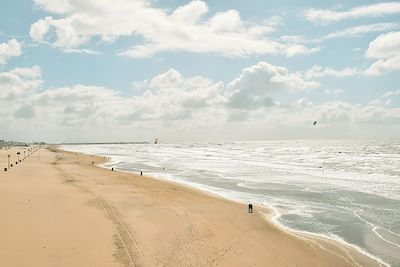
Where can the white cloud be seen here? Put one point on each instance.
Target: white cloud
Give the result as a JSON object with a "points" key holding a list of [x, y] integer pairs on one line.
{"points": [[65, 30], [54, 6], [385, 45], [80, 51], [319, 72], [25, 112], [357, 31], [378, 115], [391, 98], [384, 65], [352, 32], [16, 89], [32, 73], [302, 103], [333, 92], [373, 10], [334, 112], [391, 94], [19, 82], [342, 112], [256, 84], [78, 105], [8, 50], [169, 79], [296, 49], [191, 12], [185, 29], [173, 105], [40, 28], [386, 49]]}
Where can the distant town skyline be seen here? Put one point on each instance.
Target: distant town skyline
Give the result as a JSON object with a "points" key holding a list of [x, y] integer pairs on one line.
{"points": [[135, 70]]}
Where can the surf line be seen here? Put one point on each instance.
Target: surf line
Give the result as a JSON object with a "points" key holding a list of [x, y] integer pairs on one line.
{"points": [[392, 232], [374, 227]]}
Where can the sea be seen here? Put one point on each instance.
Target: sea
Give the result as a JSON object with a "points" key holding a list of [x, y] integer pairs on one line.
{"points": [[347, 190]]}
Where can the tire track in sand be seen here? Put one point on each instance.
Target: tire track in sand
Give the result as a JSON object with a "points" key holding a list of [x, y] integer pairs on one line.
{"points": [[130, 244], [132, 256]]}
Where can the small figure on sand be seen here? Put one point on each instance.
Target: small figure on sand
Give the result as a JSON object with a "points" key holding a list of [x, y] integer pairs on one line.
{"points": [[250, 208]]}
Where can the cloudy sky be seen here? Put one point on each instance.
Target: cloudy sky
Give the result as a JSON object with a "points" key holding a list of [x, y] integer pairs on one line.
{"points": [[132, 70]]}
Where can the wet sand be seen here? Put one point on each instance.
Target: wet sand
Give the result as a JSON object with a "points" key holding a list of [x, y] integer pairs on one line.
{"points": [[62, 210]]}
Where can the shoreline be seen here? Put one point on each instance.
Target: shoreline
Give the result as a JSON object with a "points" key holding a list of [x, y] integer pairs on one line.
{"points": [[317, 236], [271, 216], [139, 220], [269, 213]]}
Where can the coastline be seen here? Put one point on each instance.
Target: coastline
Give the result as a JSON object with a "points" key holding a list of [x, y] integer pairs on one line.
{"points": [[157, 222], [271, 216]]}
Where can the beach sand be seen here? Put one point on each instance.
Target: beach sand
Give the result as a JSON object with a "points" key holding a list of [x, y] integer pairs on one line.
{"points": [[59, 209]]}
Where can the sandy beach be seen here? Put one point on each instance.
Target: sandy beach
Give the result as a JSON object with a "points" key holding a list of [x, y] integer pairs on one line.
{"points": [[60, 209]]}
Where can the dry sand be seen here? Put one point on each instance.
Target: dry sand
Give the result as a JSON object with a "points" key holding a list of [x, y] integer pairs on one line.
{"points": [[59, 209]]}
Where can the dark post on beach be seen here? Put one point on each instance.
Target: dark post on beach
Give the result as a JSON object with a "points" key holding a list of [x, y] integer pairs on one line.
{"points": [[250, 208]]}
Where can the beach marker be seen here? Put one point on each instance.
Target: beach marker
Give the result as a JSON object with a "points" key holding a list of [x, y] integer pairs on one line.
{"points": [[250, 208]]}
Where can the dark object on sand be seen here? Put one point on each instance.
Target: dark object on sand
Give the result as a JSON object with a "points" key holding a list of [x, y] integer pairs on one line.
{"points": [[92, 162], [250, 208], [112, 169], [5, 169], [315, 122], [141, 173]]}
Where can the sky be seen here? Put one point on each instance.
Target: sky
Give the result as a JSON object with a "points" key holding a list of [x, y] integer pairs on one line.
{"points": [[135, 70]]}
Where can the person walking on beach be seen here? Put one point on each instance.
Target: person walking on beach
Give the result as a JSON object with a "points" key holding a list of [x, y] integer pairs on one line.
{"points": [[250, 208]]}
